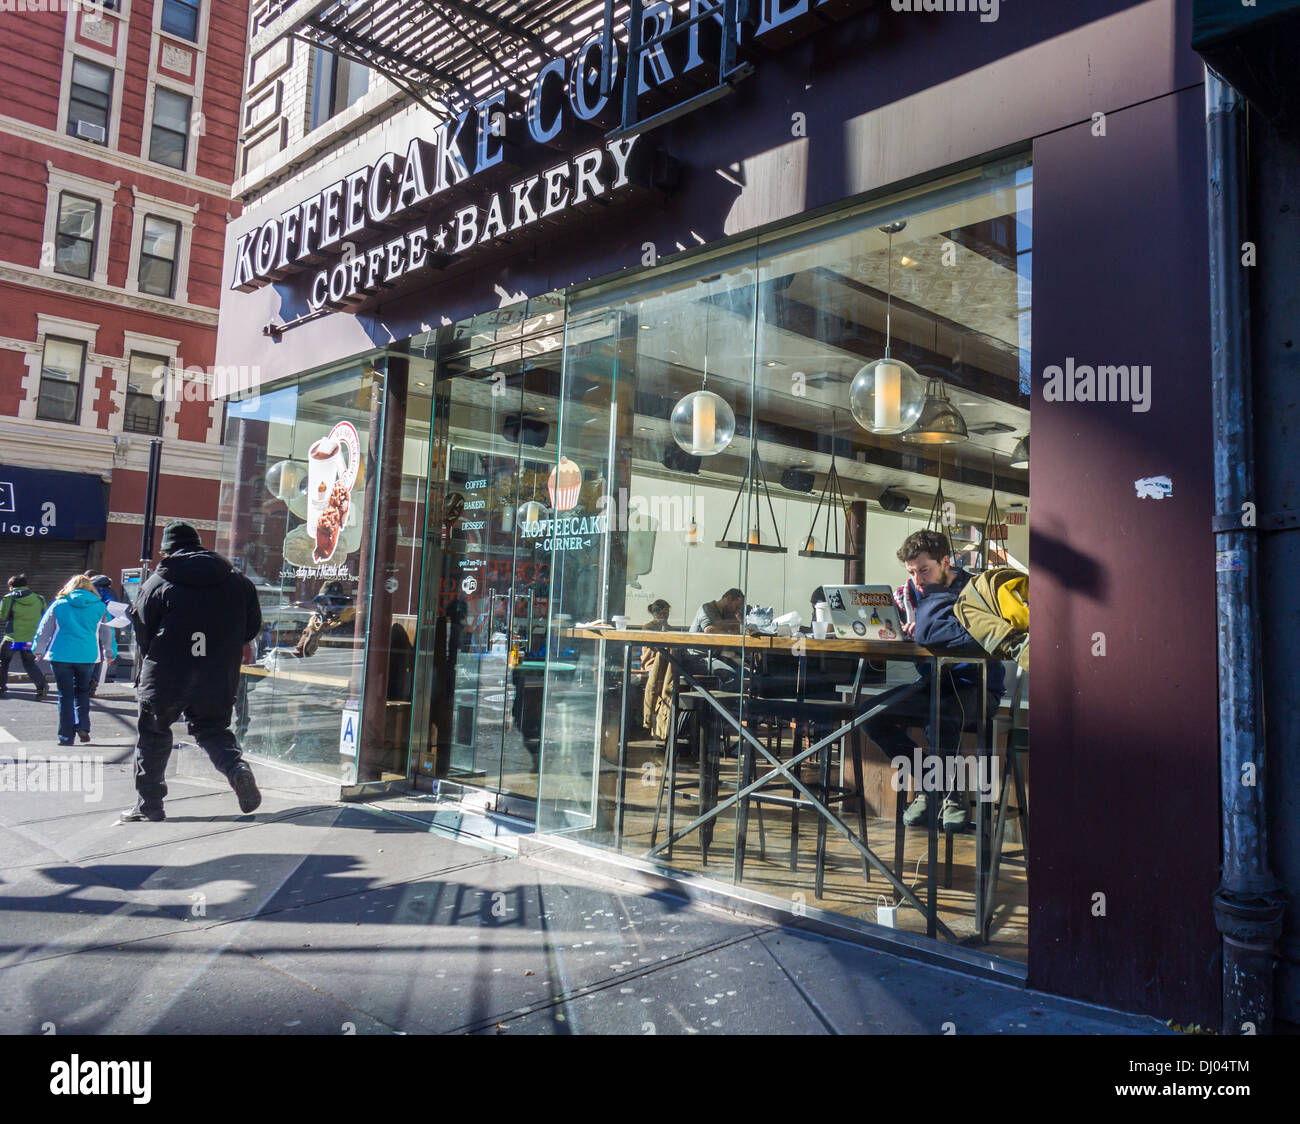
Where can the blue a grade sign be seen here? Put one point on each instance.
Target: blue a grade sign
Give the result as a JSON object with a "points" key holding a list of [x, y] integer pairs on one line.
{"points": [[38, 504]]}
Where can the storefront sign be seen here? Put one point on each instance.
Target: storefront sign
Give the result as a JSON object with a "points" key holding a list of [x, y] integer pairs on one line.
{"points": [[574, 533], [38, 504]]}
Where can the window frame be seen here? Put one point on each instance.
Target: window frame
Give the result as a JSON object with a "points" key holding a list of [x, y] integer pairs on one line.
{"points": [[71, 121], [80, 382], [163, 361], [195, 6], [92, 259], [143, 255], [331, 95], [154, 127]]}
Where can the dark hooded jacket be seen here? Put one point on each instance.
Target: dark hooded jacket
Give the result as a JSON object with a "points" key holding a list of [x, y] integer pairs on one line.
{"points": [[192, 618]]}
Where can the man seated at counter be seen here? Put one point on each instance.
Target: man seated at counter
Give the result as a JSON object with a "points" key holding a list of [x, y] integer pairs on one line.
{"points": [[927, 556], [726, 614]]}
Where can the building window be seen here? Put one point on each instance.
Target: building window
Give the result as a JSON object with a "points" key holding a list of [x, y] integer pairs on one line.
{"points": [[89, 101], [158, 244], [78, 230], [181, 17], [336, 85], [61, 368], [144, 401], [171, 127]]}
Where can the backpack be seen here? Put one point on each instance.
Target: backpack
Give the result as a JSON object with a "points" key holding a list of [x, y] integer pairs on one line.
{"points": [[994, 609]]}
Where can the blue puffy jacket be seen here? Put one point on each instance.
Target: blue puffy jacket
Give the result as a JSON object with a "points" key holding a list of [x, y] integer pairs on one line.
{"points": [[937, 626], [73, 620]]}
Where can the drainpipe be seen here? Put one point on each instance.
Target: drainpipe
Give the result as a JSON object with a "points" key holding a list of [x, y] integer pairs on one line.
{"points": [[1247, 905]]}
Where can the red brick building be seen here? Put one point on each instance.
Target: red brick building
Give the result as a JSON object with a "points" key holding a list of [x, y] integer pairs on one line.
{"points": [[119, 125]]}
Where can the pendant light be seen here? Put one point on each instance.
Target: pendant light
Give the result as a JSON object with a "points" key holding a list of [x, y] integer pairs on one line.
{"points": [[885, 397], [702, 423], [1020, 455], [994, 530], [754, 540], [533, 510], [937, 520], [940, 422]]}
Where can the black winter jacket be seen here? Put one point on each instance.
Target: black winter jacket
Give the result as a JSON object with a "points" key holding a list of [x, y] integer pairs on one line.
{"points": [[192, 618]]}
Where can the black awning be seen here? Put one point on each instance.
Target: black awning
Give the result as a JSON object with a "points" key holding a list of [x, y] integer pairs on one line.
{"points": [[450, 53]]}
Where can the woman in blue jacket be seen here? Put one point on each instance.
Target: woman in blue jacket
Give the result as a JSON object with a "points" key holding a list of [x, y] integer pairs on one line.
{"points": [[69, 634]]}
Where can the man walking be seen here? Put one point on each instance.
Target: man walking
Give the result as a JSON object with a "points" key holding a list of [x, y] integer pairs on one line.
{"points": [[192, 618], [20, 613]]}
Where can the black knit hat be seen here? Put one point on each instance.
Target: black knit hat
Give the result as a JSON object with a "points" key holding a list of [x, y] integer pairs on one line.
{"points": [[179, 535]]}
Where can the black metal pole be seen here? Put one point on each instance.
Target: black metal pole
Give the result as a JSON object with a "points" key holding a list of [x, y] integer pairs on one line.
{"points": [[150, 503], [1247, 905]]}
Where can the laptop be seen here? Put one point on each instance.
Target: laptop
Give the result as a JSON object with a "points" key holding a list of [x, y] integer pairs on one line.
{"points": [[863, 612]]}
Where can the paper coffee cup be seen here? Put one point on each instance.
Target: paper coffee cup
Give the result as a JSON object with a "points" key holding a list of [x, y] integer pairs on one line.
{"points": [[820, 629]]}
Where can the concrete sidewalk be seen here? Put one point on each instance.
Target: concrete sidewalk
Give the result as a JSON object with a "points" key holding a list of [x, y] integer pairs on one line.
{"points": [[316, 917]]}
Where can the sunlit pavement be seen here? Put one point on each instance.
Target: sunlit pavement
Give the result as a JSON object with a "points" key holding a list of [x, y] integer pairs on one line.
{"points": [[310, 916]]}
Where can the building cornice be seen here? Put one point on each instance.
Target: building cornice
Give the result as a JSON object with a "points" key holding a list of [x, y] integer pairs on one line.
{"points": [[16, 127], [69, 448], [107, 294]]}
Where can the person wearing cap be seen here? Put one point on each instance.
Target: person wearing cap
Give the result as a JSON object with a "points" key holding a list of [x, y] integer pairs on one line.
{"points": [[192, 618], [107, 634]]}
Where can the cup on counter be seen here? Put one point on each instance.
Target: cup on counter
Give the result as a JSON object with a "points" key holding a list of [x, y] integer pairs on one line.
{"points": [[620, 622], [820, 629]]}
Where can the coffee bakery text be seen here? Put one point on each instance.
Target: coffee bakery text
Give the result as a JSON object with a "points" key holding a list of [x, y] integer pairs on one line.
{"points": [[379, 193]]}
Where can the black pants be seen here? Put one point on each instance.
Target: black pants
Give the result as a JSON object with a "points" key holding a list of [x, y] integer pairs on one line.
{"points": [[30, 665], [208, 724], [909, 705]]}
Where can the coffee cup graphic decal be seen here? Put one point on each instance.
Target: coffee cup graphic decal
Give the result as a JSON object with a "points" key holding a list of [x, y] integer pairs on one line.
{"points": [[332, 465]]}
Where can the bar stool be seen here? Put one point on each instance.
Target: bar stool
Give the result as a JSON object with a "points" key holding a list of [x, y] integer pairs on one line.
{"points": [[1013, 773]]}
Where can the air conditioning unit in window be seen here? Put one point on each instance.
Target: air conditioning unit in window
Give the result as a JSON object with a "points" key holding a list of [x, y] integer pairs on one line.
{"points": [[88, 130]]}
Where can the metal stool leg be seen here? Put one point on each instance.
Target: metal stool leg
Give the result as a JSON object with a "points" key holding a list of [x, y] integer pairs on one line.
{"points": [[796, 745], [824, 793], [860, 790]]}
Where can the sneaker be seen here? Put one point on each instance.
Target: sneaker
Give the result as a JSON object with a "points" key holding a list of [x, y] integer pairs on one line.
{"points": [[83, 736], [4, 692], [65, 741], [137, 814], [956, 813], [916, 812], [41, 692], [241, 780]]}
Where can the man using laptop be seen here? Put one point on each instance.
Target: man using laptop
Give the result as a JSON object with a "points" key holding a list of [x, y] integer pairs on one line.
{"points": [[927, 556], [725, 615]]}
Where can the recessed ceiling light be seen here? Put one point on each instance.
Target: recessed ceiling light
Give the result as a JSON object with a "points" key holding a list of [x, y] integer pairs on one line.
{"points": [[773, 363], [905, 260], [421, 384]]}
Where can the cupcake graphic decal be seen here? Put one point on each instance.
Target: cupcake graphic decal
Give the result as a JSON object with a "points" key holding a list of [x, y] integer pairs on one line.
{"points": [[563, 485]]}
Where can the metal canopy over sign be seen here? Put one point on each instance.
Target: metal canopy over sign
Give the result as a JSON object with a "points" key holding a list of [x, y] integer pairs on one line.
{"points": [[44, 504]]}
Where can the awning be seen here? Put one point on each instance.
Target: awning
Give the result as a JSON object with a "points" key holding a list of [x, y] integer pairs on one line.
{"points": [[39, 504], [448, 53]]}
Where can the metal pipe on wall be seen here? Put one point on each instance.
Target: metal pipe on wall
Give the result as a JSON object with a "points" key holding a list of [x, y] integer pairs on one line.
{"points": [[1247, 906]]}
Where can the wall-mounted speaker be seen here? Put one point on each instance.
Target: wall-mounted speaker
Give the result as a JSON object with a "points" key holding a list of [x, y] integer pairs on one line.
{"points": [[677, 459], [528, 431], [797, 480], [894, 501]]}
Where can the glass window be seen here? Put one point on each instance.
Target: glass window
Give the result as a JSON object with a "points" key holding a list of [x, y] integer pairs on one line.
{"points": [[146, 380], [74, 247], [336, 84], [305, 680], [171, 127], [61, 368], [774, 487], [181, 17], [90, 101], [158, 245]]}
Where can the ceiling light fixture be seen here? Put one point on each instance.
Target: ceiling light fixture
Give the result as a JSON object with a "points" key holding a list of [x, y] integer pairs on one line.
{"points": [[886, 397]]}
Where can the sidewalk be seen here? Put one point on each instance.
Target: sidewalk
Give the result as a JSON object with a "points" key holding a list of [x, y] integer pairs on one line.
{"points": [[312, 917]]}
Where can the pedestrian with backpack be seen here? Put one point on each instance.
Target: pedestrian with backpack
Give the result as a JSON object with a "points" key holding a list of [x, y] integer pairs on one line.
{"points": [[69, 634], [20, 615]]}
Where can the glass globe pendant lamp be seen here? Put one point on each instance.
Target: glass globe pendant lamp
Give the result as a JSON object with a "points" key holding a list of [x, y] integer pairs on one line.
{"points": [[886, 395], [702, 423]]}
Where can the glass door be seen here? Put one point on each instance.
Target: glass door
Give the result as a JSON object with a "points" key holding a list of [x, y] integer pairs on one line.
{"points": [[495, 412]]}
